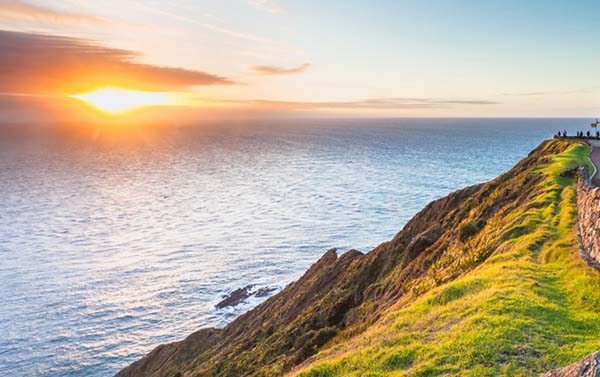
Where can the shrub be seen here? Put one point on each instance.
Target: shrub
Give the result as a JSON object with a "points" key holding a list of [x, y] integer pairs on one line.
{"points": [[468, 230]]}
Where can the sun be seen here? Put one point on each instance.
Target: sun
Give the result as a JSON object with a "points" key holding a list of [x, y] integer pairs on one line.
{"points": [[115, 100]]}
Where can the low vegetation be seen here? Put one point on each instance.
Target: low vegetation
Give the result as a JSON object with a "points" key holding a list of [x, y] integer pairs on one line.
{"points": [[531, 306]]}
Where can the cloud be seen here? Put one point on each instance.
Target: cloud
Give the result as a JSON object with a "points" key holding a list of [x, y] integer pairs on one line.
{"points": [[587, 90], [392, 103], [45, 64], [21, 10], [270, 6], [272, 70], [375, 103], [526, 94]]}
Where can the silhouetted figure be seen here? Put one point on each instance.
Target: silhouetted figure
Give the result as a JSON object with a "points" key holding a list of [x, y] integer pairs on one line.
{"points": [[564, 133], [597, 134], [558, 133], [588, 134]]}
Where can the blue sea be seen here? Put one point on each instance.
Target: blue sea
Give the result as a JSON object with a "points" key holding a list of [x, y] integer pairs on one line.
{"points": [[113, 244]]}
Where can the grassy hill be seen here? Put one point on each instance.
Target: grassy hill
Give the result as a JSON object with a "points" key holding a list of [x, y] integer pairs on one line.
{"points": [[532, 305], [485, 281]]}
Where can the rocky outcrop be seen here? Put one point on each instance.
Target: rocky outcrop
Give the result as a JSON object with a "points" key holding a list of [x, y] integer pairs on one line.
{"points": [[588, 214], [588, 367]]}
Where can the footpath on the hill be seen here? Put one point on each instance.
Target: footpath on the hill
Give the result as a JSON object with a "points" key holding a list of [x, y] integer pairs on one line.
{"points": [[595, 157]]}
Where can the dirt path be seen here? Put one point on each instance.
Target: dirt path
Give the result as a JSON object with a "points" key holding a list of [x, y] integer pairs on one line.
{"points": [[595, 156]]}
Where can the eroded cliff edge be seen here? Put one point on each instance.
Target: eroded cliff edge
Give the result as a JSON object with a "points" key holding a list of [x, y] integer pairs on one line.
{"points": [[362, 313]]}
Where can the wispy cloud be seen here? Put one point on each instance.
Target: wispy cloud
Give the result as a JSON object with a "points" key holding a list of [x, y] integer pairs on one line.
{"points": [[392, 103], [217, 25], [526, 94], [274, 70], [271, 6], [36, 63], [587, 90], [237, 34], [21, 10]]}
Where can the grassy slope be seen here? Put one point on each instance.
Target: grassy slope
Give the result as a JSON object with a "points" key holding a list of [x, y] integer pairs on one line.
{"points": [[533, 305]]}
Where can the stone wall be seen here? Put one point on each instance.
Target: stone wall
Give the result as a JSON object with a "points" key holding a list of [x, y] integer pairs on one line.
{"points": [[588, 214]]}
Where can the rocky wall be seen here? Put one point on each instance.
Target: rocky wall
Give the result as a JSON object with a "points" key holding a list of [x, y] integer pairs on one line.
{"points": [[588, 214]]}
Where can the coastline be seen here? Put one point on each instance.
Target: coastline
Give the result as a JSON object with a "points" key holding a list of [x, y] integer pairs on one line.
{"points": [[347, 297]]}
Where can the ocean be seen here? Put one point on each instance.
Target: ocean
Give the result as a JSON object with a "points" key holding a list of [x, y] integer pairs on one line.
{"points": [[110, 246]]}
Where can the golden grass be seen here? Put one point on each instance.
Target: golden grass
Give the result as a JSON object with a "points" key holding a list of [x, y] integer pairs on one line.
{"points": [[533, 305]]}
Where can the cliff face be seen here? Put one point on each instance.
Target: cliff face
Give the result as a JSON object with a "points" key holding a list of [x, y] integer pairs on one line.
{"points": [[363, 313]]}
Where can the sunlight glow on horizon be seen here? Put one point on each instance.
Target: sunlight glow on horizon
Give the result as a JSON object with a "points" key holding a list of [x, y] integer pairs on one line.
{"points": [[117, 100], [198, 59]]}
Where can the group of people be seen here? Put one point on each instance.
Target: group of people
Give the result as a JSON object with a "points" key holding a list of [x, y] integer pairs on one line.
{"points": [[580, 134]]}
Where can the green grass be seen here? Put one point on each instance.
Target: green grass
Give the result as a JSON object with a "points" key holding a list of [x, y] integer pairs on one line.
{"points": [[533, 305]]}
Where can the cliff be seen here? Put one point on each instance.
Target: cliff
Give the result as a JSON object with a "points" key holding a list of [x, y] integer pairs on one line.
{"points": [[485, 281]]}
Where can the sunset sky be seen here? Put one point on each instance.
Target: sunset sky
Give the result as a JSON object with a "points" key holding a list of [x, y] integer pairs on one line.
{"points": [[303, 58]]}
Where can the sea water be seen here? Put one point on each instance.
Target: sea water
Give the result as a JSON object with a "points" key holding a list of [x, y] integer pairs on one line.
{"points": [[110, 247]]}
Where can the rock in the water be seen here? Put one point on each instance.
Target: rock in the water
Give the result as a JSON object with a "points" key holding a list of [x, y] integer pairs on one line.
{"points": [[236, 297], [241, 294], [588, 367]]}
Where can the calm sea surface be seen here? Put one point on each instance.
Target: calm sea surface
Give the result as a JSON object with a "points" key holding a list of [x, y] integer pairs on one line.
{"points": [[110, 247]]}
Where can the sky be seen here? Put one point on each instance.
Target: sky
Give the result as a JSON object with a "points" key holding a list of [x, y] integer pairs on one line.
{"points": [[244, 58]]}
